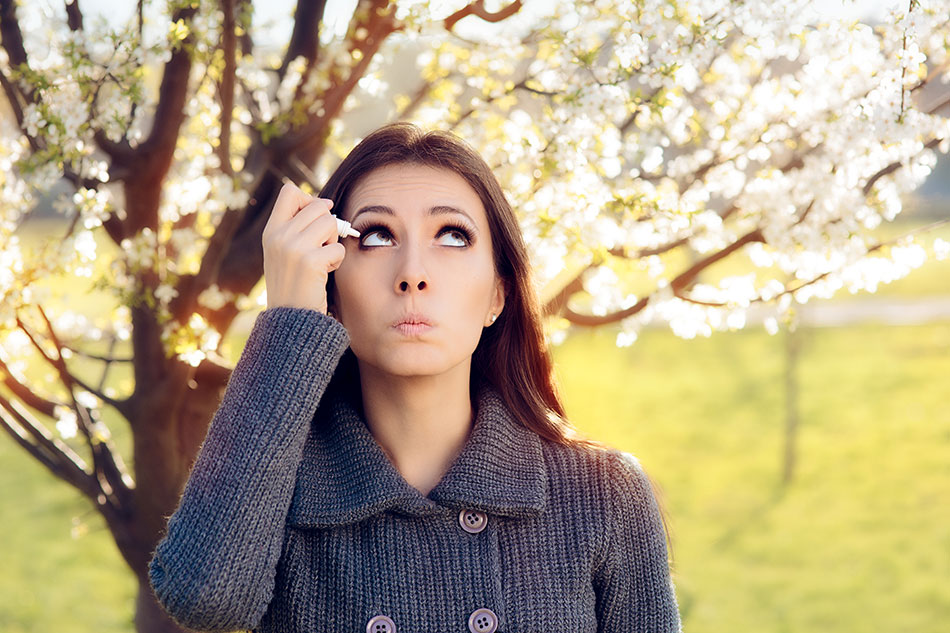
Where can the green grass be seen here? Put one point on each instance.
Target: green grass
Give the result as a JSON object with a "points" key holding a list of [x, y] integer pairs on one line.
{"points": [[52, 581], [859, 541]]}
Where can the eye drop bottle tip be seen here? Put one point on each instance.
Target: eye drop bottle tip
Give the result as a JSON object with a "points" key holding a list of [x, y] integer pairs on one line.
{"points": [[345, 230]]}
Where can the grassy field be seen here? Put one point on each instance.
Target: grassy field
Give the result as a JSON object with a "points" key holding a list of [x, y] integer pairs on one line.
{"points": [[859, 540]]}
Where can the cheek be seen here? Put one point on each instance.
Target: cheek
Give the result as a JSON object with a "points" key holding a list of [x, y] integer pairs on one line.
{"points": [[360, 268], [350, 291], [474, 289]]}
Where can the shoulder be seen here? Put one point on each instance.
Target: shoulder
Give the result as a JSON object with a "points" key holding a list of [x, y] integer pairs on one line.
{"points": [[604, 490], [612, 480], [610, 469]]}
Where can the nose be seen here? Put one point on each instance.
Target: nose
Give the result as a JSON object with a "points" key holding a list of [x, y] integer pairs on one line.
{"points": [[412, 275]]}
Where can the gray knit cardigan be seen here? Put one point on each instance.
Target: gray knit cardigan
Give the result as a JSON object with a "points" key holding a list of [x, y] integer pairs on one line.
{"points": [[294, 520]]}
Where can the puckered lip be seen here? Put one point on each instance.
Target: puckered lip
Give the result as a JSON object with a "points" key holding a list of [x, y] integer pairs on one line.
{"points": [[412, 318]]}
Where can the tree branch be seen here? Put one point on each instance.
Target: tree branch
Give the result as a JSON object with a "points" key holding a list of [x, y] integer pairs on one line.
{"points": [[24, 393], [381, 23], [110, 472], [12, 41], [226, 87], [58, 458], [99, 357], [632, 119], [939, 106], [244, 11], [154, 155], [685, 278], [477, 8], [523, 85], [591, 320], [892, 168], [305, 40], [871, 249], [417, 98], [190, 286], [678, 285], [558, 302], [119, 405], [10, 34], [13, 98], [209, 372], [73, 15]]}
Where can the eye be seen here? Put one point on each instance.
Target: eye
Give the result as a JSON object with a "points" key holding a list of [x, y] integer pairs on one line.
{"points": [[375, 236], [456, 236]]}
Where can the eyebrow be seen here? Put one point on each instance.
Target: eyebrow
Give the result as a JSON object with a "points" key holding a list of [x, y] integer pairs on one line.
{"points": [[442, 209]]}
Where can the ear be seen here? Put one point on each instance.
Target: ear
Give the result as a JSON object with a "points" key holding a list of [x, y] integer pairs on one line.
{"points": [[497, 302]]}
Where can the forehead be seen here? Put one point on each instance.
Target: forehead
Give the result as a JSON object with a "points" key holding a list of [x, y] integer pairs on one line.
{"points": [[407, 186]]}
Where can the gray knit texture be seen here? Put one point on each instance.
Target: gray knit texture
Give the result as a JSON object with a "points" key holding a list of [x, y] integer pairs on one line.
{"points": [[294, 520]]}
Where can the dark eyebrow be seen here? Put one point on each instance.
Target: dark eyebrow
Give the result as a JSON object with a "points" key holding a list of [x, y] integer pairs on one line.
{"points": [[374, 208], [449, 210], [436, 210]]}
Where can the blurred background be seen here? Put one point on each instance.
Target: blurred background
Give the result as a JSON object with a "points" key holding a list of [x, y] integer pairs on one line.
{"points": [[802, 459]]}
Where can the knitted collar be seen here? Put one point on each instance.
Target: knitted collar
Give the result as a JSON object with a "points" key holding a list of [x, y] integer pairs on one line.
{"points": [[345, 477]]}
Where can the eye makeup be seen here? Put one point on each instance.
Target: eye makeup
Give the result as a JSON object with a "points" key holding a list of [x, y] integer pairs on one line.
{"points": [[458, 228], [368, 232], [465, 233]]}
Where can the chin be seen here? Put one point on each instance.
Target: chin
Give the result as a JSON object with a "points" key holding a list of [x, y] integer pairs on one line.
{"points": [[415, 367], [416, 362]]}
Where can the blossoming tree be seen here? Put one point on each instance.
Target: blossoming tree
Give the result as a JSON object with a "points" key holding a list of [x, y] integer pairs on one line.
{"points": [[643, 142]]}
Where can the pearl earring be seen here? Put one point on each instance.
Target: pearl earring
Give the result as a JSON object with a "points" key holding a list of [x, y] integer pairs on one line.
{"points": [[493, 317]]}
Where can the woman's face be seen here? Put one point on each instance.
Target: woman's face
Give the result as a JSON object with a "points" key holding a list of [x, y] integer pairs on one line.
{"points": [[416, 288]]}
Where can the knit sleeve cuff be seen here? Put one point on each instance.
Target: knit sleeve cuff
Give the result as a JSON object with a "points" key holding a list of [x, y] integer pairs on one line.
{"points": [[289, 358]]}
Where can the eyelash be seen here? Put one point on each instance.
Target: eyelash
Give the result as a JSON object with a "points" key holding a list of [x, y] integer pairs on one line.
{"points": [[452, 227], [448, 227]]}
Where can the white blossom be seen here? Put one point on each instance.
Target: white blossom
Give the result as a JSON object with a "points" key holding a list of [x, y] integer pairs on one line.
{"points": [[66, 422]]}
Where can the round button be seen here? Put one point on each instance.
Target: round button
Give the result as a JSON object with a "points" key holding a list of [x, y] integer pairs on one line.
{"points": [[381, 624], [472, 521], [483, 621]]}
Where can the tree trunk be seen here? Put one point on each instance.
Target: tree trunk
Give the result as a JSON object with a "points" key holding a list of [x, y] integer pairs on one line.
{"points": [[792, 348], [171, 415], [149, 615]]}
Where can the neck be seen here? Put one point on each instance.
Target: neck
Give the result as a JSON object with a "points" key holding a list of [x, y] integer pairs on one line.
{"points": [[421, 422]]}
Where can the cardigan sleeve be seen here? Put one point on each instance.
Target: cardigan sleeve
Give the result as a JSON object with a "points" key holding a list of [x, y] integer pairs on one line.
{"points": [[215, 568], [633, 585]]}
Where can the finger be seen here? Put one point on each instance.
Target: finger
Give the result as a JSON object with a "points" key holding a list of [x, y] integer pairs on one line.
{"points": [[321, 230], [337, 252], [290, 200], [309, 213]]}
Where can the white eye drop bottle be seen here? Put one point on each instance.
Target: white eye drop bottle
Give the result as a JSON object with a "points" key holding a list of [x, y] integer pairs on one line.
{"points": [[344, 229]]}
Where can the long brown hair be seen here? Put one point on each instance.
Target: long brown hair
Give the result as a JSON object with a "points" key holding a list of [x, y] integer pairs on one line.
{"points": [[511, 356]]}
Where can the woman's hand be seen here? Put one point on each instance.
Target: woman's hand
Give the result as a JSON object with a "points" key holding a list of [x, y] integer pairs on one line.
{"points": [[301, 248]]}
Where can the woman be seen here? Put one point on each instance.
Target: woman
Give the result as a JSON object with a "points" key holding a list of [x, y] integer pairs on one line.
{"points": [[390, 453]]}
